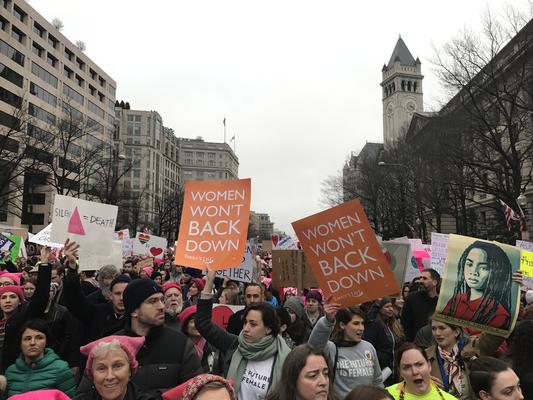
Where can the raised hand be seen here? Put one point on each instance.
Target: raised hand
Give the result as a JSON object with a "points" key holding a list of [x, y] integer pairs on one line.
{"points": [[330, 309], [518, 277], [70, 250], [45, 254]]}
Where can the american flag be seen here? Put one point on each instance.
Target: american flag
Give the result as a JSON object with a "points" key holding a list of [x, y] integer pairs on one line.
{"points": [[511, 215]]}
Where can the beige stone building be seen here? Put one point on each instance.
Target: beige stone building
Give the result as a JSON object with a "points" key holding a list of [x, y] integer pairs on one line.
{"points": [[44, 76], [201, 160]]}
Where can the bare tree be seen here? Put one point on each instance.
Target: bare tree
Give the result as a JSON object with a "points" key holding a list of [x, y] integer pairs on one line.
{"points": [[58, 24]]}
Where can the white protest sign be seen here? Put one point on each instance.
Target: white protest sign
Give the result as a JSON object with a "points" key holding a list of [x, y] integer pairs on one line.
{"points": [[122, 234], [528, 246], [286, 243], [149, 245], [43, 238], [127, 247], [90, 261], [86, 222], [242, 273], [439, 249]]}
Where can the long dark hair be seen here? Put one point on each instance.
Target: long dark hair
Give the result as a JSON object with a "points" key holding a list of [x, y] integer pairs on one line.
{"points": [[286, 388], [498, 286]]}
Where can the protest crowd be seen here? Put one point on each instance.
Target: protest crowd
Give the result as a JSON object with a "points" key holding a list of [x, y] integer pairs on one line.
{"points": [[153, 329]]}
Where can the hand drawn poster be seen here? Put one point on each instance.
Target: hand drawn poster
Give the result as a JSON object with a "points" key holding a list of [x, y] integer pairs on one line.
{"points": [[86, 222], [214, 224], [149, 245], [439, 249], [245, 271], [285, 269], [477, 288], [89, 261], [43, 238], [526, 246], [345, 256]]}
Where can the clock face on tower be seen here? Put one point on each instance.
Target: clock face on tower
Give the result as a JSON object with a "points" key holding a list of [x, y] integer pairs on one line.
{"points": [[410, 106]]}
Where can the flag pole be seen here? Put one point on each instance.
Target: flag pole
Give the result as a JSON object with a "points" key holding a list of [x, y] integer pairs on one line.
{"points": [[224, 122]]}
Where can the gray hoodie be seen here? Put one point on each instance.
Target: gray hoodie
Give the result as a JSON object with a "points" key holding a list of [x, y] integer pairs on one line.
{"points": [[356, 365]]}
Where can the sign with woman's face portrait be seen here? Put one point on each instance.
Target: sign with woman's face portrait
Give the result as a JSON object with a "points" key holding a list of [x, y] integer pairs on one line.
{"points": [[477, 290]]}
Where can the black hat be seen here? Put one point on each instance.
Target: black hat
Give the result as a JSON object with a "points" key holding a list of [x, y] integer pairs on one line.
{"points": [[138, 291], [118, 279]]}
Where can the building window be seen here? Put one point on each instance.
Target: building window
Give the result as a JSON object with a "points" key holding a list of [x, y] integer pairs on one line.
{"points": [[199, 162], [40, 134], [110, 104], [92, 89], [199, 154], [68, 72], [72, 94], [38, 29], [94, 141], [81, 63], [43, 94], [19, 14], [10, 98], [211, 156], [72, 113], [17, 34], [69, 55], [10, 75], [95, 126], [41, 114], [51, 60], [46, 76], [102, 81], [37, 50], [93, 74], [79, 80], [52, 41], [112, 90], [188, 161], [95, 109]]}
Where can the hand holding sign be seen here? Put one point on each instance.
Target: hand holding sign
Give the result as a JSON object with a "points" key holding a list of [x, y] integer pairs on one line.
{"points": [[330, 309], [70, 250]]}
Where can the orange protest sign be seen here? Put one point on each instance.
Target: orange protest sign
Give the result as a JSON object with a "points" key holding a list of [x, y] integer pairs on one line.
{"points": [[214, 224], [345, 256]]}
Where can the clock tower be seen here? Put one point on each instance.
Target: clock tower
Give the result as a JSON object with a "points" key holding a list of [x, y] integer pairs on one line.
{"points": [[402, 92]]}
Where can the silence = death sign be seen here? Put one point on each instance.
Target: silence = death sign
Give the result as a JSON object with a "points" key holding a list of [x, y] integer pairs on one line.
{"points": [[345, 255], [214, 224], [83, 221]]}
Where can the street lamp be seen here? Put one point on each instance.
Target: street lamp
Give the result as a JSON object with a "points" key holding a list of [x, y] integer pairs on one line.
{"points": [[521, 201]]}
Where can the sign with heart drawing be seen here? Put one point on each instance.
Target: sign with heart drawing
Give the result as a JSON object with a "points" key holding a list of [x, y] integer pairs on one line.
{"points": [[149, 245]]}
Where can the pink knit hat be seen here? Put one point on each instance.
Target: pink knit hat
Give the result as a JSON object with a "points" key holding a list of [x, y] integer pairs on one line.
{"points": [[45, 394], [168, 285], [131, 345], [14, 276], [18, 290], [185, 315], [200, 283], [189, 389], [149, 271]]}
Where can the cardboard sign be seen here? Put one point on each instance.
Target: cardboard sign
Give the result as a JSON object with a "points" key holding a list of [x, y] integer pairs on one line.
{"points": [[89, 261], [525, 246], [147, 262], [345, 255], [122, 234], [88, 223], [285, 269], [242, 273], [43, 238], [477, 290], [398, 256], [439, 249], [149, 245], [214, 224], [267, 245]]}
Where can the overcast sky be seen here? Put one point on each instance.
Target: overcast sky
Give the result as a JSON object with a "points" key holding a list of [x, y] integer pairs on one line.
{"points": [[298, 80]]}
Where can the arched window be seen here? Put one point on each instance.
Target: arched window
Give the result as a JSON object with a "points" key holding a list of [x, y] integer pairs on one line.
{"points": [[414, 86], [408, 86], [393, 87], [403, 86]]}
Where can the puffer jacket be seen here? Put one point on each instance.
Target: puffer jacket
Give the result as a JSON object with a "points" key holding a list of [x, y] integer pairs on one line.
{"points": [[50, 372]]}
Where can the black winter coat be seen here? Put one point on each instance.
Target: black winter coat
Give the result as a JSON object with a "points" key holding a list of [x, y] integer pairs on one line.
{"points": [[33, 309], [98, 320], [416, 311], [66, 334]]}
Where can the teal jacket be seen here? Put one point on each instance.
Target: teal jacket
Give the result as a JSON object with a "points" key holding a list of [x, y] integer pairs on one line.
{"points": [[50, 372]]}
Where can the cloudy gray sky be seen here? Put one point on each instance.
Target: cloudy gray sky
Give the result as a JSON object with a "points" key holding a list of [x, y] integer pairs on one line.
{"points": [[298, 80]]}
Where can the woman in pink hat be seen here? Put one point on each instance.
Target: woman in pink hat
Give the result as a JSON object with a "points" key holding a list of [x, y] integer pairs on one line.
{"points": [[110, 364]]}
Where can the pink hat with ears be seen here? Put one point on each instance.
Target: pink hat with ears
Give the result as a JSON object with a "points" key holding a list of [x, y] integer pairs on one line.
{"points": [[46, 394], [130, 345], [14, 276], [13, 289], [149, 271]]}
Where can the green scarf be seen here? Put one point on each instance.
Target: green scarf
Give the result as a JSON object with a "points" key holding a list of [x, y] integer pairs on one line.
{"points": [[265, 348]]}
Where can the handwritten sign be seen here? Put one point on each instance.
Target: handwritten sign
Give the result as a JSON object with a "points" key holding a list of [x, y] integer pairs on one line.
{"points": [[345, 255], [525, 246], [90, 261], [285, 269], [214, 224], [43, 238], [526, 263], [149, 245], [439, 249], [122, 234], [242, 273], [86, 222], [147, 262]]}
